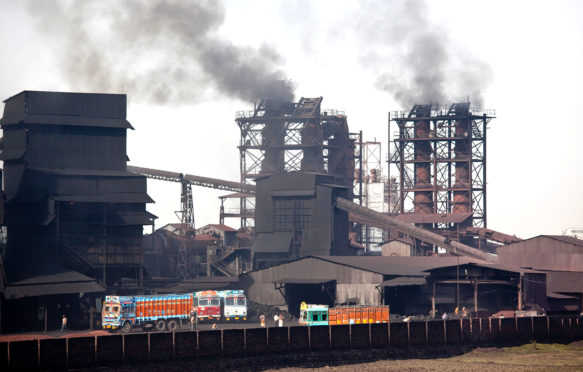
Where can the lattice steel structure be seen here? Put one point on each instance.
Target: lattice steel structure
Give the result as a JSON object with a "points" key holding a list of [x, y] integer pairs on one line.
{"points": [[439, 155], [186, 215], [278, 137]]}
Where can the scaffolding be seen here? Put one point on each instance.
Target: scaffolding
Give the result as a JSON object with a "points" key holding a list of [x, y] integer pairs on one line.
{"points": [[439, 155], [278, 137]]}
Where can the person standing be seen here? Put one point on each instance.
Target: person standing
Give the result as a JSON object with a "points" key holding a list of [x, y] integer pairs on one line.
{"points": [[193, 319], [63, 323], [275, 320], [262, 320], [280, 319]]}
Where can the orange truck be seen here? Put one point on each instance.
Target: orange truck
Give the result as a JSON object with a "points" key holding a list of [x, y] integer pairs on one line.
{"points": [[312, 315]]}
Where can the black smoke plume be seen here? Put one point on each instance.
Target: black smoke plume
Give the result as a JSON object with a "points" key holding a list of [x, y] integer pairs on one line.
{"points": [[415, 59], [156, 50]]}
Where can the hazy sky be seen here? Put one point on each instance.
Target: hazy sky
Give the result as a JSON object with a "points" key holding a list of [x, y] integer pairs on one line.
{"points": [[188, 67]]}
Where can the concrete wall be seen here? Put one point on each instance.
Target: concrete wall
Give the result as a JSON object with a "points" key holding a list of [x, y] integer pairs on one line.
{"points": [[235, 346]]}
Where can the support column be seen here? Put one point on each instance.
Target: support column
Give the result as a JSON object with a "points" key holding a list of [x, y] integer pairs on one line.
{"points": [[433, 302], [46, 315], [475, 296], [520, 292]]}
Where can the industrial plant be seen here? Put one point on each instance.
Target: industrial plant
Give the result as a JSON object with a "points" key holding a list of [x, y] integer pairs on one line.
{"points": [[321, 216]]}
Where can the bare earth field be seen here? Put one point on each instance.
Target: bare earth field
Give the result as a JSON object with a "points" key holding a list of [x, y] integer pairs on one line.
{"points": [[529, 357]]}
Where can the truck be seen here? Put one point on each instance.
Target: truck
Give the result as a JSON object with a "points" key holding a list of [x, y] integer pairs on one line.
{"points": [[161, 311], [208, 305], [169, 312], [315, 315], [234, 305]]}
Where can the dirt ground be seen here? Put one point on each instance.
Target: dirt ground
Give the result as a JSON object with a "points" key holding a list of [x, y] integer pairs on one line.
{"points": [[529, 357]]}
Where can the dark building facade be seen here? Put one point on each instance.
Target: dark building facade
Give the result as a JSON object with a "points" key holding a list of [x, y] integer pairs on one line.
{"points": [[70, 203], [296, 217]]}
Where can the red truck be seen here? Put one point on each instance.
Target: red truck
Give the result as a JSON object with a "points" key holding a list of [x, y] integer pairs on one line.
{"points": [[208, 305]]}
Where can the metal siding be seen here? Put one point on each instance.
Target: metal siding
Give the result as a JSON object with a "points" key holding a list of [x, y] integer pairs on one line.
{"points": [[318, 239], [263, 207], [14, 143], [278, 242], [77, 148], [13, 176], [262, 289], [543, 253], [14, 109], [294, 181], [92, 105]]}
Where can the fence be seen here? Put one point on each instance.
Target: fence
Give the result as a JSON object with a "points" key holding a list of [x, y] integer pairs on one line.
{"points": [[238, 345]]}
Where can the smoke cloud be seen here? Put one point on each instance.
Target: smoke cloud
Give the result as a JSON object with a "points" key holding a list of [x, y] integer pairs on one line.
{"points": [[157, 51], [425, 64]]}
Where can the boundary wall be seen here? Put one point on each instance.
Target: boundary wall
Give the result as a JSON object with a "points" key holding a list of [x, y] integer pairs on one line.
{"points": [[264, 347]]}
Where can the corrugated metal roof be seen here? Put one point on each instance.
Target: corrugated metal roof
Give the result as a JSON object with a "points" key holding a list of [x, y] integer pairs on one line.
{"points": [[278, 242], [393, 265], [566, 239], [304, 281], [106, 198], [68, 121], [237, 195], [205, 237], [561, 238], [53, 284], [408, 266], [222, 227], [404, 280]]}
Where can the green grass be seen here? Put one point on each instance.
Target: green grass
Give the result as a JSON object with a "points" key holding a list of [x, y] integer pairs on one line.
{"points": [[528, 357]]}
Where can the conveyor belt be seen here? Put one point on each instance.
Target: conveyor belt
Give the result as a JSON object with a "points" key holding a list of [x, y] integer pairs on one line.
{"points": [[413, 231], [213, 183]]}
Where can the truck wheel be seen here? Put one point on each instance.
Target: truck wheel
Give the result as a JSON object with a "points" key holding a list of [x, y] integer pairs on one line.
{"points": [[172, 325], [127, 326], [160, 325]]}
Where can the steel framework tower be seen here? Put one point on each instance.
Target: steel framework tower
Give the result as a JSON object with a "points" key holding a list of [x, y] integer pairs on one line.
{"points": [[186, 215], [279, 137], [440, 157]]}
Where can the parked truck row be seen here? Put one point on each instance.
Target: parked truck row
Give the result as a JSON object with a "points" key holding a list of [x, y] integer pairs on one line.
{"points": [[169, 312]]}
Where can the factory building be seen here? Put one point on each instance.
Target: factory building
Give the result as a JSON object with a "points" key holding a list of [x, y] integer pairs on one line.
{"points": [[295, 217], [561, 257], [410, 285], [73, 213]]}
